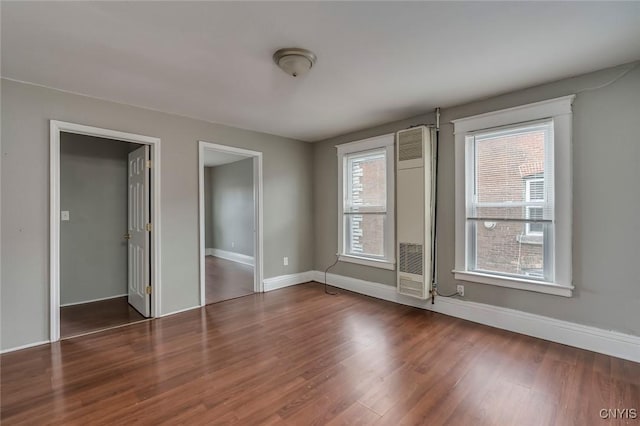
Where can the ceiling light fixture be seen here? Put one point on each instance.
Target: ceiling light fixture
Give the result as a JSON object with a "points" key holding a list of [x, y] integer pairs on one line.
{"points": [[294, 61]]}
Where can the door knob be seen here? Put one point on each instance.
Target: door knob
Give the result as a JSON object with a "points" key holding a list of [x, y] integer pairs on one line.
{"points": [[127, 236]]}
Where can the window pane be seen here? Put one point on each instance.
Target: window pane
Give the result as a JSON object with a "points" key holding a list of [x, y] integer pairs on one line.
{"points": [[510, 182], [364, 234], [510, 172], [366, 182], [506, 248], [534, 213]]}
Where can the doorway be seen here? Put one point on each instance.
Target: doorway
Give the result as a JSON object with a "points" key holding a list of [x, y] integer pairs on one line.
{"points": [[104, 216], [230, 182]]}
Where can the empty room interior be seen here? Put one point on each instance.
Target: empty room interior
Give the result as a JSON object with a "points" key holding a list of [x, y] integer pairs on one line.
{"points": [[316, 212], [229, 225]]}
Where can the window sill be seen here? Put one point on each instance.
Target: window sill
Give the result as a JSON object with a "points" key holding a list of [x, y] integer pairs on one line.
{"points": [[518, 283], [382, 264]]}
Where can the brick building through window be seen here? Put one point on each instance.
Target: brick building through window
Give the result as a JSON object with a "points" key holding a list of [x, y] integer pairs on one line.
{"points": [[510, 170], [368, 195], [366, 233]]}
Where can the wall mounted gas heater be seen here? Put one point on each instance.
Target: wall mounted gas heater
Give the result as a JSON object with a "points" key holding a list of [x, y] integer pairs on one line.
{"points": [[415, 208]]}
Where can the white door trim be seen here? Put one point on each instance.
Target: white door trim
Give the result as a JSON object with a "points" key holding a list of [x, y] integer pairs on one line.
{"points": [[56, 127], [258, 285]]}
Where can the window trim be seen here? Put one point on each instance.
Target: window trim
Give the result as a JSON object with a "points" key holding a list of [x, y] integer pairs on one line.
{"points": [[379, 142], [560, 111]]}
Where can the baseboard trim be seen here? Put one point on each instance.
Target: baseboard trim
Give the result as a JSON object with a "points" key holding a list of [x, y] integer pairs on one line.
{"points": [[44, 342], [229, 255], [594, 339], [179, 311], [27, 346], [94, 300], [282, 281]]}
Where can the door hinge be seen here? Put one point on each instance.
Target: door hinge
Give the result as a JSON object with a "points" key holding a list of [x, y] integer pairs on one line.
{"points": [[148, 289], [148, 227], [149, 164]]}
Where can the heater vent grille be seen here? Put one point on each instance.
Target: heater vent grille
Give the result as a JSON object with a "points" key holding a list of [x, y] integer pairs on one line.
{"points": [[411, 258], [412, 288], [410, 144]]}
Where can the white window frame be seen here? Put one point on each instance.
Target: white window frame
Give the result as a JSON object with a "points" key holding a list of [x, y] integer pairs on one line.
{"points": [[527, 197], [385, 142], [560, 111]]}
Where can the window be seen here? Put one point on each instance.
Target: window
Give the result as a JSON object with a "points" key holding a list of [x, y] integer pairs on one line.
{"points": [[513, 174], [366, 229], [506, 186]]}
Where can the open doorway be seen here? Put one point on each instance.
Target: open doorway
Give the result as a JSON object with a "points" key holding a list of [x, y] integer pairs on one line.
{"points": [[230, 222], [104, 217], [101, 190]]}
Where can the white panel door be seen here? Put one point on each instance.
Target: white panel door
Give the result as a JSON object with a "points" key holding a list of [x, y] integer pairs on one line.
{"points": [[139, 236]]}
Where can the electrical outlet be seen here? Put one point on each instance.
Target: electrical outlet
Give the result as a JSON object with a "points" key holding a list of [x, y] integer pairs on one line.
{"points": [[460, 290], [285, 261], [233, 244], [64, 215]]}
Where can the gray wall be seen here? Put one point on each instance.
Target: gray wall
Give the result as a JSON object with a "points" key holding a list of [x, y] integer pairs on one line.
{"points": [[26, 111], [606, 203], [93, 188], [606, 165], [229, 200]]}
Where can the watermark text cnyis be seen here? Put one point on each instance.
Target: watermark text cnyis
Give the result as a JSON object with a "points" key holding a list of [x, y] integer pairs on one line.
{"points": [[619, 413]]}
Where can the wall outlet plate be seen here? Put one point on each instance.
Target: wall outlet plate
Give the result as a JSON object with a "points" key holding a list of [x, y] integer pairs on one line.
{"points": [[285, 261], [460, 290], [64, 215]]}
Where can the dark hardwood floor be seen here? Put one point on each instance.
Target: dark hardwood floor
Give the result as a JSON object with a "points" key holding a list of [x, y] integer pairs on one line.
{"points": [[297, 356], [226, 279], [90, 317]]}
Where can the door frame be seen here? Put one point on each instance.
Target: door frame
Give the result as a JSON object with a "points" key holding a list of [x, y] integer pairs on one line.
{"points": [[55, 128], [258, 285]]}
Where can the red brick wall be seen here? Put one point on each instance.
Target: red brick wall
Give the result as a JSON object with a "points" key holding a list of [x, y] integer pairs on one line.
{"points": [[373, 227]]}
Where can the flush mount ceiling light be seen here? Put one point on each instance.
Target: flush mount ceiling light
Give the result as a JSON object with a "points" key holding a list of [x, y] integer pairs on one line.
{"points": [[294, 61]]}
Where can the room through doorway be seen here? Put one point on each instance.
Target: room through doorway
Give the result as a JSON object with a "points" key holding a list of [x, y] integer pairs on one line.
{"points": [[103, 212], [103, 192], [229, 194]]}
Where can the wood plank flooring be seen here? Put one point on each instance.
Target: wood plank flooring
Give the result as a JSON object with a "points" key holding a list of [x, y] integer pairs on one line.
{"points": [[226, 280], [296, 356], [94, 316]]}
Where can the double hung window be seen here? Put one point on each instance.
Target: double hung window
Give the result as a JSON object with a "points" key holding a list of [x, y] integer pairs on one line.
{"points": [[513, 197], [366, 228]]}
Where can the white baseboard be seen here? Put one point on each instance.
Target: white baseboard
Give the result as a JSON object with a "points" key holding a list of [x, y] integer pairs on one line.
{"points": [[28, 345], [594, 339], [44, 342], [180, 311], [229, 255], [94, 300], [287, 280]]}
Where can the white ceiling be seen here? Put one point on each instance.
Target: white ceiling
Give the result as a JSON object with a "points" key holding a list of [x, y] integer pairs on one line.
{"points": [[377, 61], [216, 158]]}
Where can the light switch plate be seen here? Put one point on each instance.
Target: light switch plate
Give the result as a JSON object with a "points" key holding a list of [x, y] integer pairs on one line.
{"points": [[64, 215]]}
